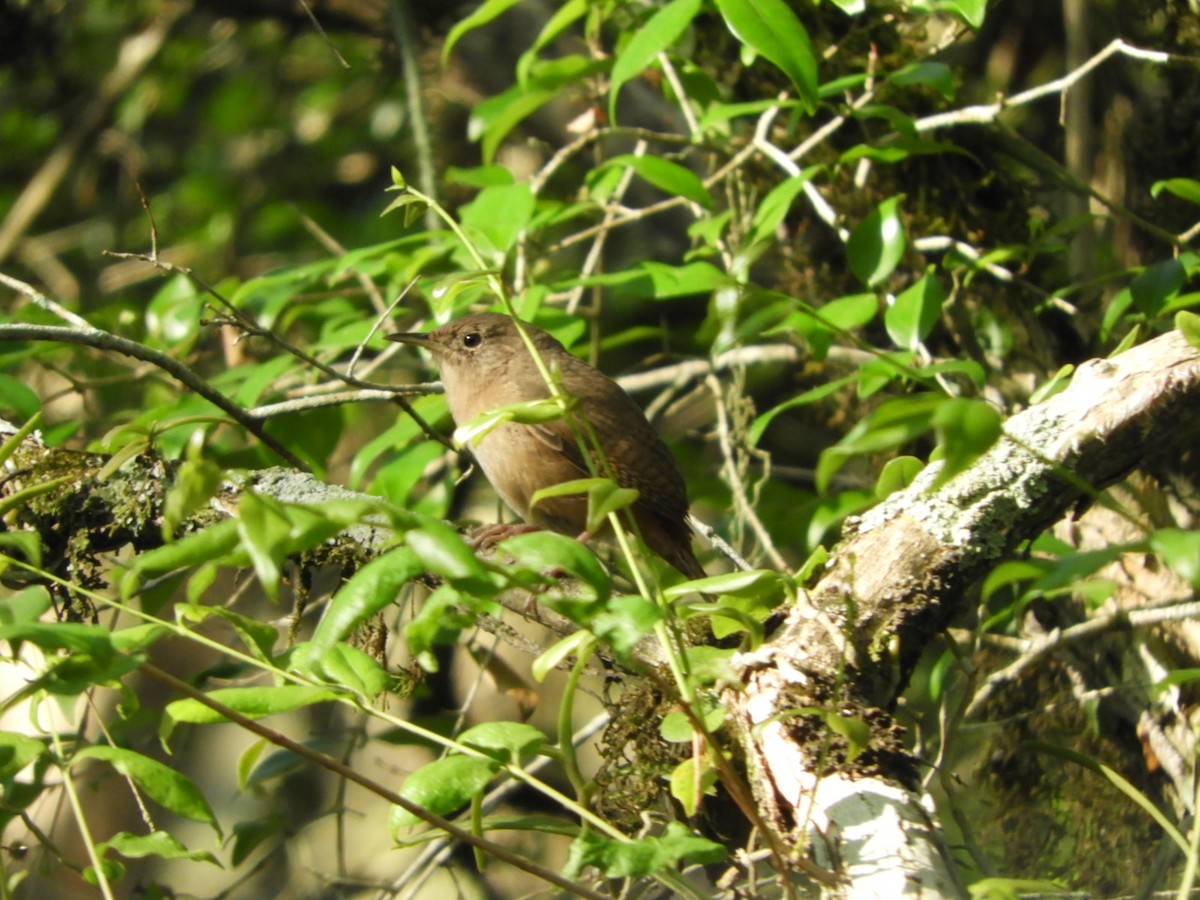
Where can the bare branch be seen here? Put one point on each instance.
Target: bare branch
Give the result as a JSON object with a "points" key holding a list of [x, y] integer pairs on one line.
{"points": [[102, 340]]}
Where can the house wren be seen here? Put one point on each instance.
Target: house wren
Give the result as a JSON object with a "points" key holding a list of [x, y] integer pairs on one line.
{"points": [[484, 364]]}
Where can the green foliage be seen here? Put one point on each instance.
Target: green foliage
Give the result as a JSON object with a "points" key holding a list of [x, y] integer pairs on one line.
{"points": [[624, 859], [797, 221]]}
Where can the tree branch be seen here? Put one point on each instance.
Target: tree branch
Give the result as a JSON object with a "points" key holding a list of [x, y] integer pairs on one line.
{"points": [[895, 583]]}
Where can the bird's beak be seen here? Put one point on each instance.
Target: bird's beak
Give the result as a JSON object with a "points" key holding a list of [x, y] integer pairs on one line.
{"points": [[416, 338]]}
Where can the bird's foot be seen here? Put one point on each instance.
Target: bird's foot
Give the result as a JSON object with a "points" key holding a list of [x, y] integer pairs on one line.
{"points": [[490, 535]]}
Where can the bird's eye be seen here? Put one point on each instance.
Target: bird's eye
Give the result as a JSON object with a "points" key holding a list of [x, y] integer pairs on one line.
{"points": [[472, 339]]}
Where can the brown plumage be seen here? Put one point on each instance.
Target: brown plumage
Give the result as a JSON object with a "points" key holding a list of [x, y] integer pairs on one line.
{"points": [[484, 364]]}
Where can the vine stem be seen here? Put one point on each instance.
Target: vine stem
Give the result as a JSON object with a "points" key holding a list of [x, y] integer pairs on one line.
{"points": [[80, 819]]}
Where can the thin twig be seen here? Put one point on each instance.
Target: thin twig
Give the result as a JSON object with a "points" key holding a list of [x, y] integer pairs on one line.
{"points": [[734, 478], [341, 398], [631, 216], [1037, 649], [596, 250], [103, 340]]}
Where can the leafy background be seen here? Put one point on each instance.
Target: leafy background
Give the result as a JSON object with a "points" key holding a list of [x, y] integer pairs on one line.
{"points": [[887, 288]]}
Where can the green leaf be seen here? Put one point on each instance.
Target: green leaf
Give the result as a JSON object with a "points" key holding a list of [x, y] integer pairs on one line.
{"points": [[771, 29], [896, 148], [877, 244], [657, 280], [264, 528], [439, 621], [92, 640], [897, 474], [604, 496], [157, 843], [760, 424], [442, 786], [17, 396], [162, 784], [689, 787], [1180, 550], [414, 208], [621, 621], [677, 728], [774, 207], [645, 856], [936, 75], [214, 542], [353, 669], [567, 14], [498, 214], [249, 835], [251, 702], [1156, 284], [196, 480], [25, 606], [1188, 324], [658, 33], [485, 13], [1184, 188], [966, 430], [669, 177], [136, 638], [374, 586], [669, 281], [526, 412], [970, 11], [258, 637], [506, 742], [856, 732], [443, 552], [755, 583], [495, 117], [917, 309], [479, 176], [1058, 382], [893, 424], [1013, 572], [16, 752], [544, 551], [578, 644]]}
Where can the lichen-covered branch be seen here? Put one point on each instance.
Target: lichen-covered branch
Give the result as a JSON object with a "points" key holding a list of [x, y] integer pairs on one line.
{"points": [[901, 574]]}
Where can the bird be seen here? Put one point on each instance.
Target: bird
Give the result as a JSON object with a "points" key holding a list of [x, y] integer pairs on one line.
{"points": [[484, 364]]}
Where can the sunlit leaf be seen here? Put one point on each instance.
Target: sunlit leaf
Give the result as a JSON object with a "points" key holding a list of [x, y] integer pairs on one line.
{"points": [[645, 856], [917, 309], [504, 741], [771, 29], [690, 781], [481, 15], [966, 430], [1184, 188], [162, 784], [669, 177], [658, 33], [877, 243], [374, 586], [442, 786]]}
